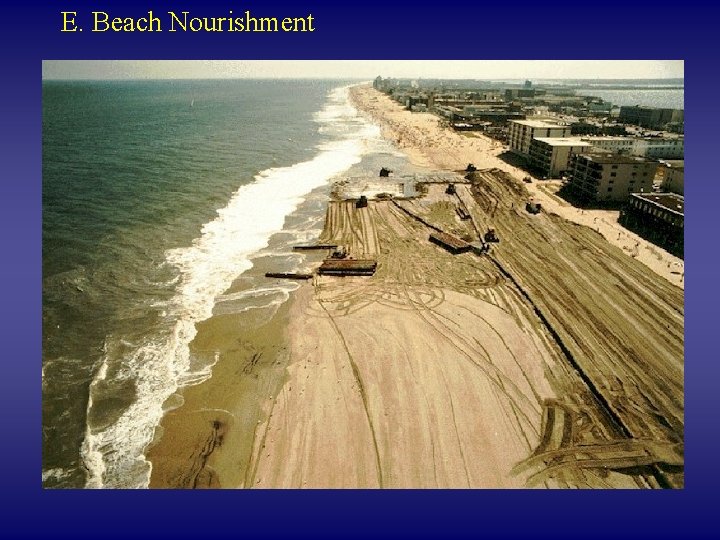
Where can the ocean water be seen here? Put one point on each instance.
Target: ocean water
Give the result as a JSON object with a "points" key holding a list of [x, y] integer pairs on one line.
{"points": [[156, 196], [663, 93], [670, 98]]}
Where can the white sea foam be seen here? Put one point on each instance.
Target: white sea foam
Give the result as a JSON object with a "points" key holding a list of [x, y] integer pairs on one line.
{"points": [[58, 474], [254, 299], [258, 292], [114, 455]]}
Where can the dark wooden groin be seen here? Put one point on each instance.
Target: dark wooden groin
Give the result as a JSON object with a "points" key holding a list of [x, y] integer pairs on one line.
{"points": [[288, 275], [314, 246]]}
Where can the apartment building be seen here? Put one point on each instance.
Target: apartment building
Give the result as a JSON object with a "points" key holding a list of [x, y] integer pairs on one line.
{"points": [[550, 157], [603, 177], [674, 177], [522, 132], [650, 117]]}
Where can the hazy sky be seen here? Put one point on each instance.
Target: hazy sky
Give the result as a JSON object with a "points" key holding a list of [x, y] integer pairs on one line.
{"points": [[365, 69]]}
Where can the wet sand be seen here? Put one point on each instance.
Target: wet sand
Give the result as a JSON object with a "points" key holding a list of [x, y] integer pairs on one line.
{"points": [[520, 369]]}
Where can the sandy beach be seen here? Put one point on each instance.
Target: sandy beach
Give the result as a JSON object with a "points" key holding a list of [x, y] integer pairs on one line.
{"points": [[556, 360]]}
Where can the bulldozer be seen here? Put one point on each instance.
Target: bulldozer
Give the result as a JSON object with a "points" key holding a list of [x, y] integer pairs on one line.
{"points": [[490, 236], [340, 253], [533, 207]]}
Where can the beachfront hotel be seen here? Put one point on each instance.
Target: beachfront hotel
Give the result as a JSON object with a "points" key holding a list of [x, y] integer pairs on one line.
{"points": [[603, 177], [522, 132], [550, 157]]}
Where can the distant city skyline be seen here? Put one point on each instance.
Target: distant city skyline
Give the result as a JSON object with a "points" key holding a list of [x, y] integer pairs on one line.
{"points": [[362, 69]]}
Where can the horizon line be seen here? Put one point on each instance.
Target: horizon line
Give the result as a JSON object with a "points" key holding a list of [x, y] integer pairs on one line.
{"points": [[310, 77]]}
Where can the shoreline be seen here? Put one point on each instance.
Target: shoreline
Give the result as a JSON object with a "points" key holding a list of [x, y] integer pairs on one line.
{"points": [[248, 336], [436, 372]]}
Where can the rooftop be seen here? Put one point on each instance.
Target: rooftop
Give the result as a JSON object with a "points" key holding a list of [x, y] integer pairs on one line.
{"points": [[563, 141], [663, 136], [669, 201], [673, 163], [607, 158], [538, 123], [648, 108], [607, 138]]}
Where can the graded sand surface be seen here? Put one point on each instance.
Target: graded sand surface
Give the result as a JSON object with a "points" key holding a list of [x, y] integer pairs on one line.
{"points": [[554, 360]]}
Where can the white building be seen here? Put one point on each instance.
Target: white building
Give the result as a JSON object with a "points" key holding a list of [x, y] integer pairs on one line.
{"points": [[674, 177], [522, 132], [550, 156], [662, 147], [616, 145], [668, 147]]}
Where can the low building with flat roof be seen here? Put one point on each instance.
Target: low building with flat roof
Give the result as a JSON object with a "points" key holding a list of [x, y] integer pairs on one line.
{"points": [[660, 217], [603, 177], [664, 147], [667, 206], [551, 156], [623, 145]]}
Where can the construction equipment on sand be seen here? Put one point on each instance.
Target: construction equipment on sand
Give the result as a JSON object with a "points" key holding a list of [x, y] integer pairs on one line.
{"points": [[533, 207], [385, 172], [450, 190], [470, 168], [362, 202], [490, 236], [462, 213], [340, 253]]}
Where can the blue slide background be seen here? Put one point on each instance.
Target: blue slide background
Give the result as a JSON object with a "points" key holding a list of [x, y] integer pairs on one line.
{"points": [[367, 30]]}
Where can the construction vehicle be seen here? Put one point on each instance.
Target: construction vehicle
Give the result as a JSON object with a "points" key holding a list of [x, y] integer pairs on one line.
{"points": [[462, 214], [450, 190], [385, 172], [490, 236], [533, 207], [340, 253]]}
